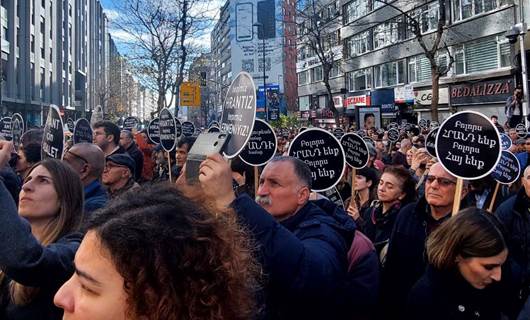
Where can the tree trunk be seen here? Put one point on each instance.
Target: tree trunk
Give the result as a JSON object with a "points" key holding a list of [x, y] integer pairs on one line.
{"points": [[435, 94]]}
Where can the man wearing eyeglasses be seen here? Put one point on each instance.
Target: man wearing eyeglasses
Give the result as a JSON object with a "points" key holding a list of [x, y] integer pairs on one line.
{"points": [[88, 161], [405, 261], [118, 175]]}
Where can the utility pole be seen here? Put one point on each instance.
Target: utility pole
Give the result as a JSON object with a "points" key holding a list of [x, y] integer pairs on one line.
{"points": [[260, 25]]}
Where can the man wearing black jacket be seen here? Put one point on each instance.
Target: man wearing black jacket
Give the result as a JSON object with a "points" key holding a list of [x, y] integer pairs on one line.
{"points": [[303, 249], [127, 143]]}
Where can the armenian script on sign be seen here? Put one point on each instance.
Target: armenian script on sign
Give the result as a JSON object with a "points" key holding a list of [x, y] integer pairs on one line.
{"points": [[467, 139]]}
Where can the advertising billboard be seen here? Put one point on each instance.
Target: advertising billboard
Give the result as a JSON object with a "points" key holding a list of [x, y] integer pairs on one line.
{"points": [[256, 25]]}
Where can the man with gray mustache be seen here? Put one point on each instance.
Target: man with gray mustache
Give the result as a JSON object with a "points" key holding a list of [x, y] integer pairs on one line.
{"points": [[302, 248]]}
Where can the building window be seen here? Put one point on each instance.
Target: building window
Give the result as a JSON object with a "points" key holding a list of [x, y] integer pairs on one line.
{"points": [[389, 74], [427, 17], [463, 9], [482, 55], [303, 78], [358, 44], [389, 32], [355, 10], [316, 74], [359, 80], [419, 69], [335, 70]]}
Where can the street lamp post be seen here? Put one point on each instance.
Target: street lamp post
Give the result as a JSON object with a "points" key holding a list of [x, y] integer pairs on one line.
{"points": [[260, 25], [518, 31]]}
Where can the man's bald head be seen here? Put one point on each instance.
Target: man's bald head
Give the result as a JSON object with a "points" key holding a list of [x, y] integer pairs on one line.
{"points": [[93, 155]]}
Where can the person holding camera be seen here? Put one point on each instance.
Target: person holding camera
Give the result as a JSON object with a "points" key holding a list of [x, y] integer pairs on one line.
{"points": [[514, 108]]}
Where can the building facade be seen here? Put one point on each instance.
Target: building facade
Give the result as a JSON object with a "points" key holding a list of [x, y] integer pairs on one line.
{"points": [[201, 69], [383, 67], [257, 37], [54, 52]]}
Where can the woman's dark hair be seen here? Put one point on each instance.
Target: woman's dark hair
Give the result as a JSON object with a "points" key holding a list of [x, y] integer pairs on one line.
{"points": [[68, 219], [408, 185], [370, 174], [471, 233], [178, 259]]}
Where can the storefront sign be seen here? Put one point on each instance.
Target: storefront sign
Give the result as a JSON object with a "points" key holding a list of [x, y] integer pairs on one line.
{"points": [[337, 102], [404, 94], [358, 101], [424, 97], [481, 92]]}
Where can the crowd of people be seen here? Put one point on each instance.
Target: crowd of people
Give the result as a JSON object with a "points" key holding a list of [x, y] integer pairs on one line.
{"points": [[105, 233]]}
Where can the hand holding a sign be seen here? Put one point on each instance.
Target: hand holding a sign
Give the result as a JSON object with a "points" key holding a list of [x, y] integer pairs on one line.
{"points": [[6, 148], [215, 177]]}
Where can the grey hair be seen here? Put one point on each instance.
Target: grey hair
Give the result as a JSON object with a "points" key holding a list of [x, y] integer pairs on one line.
{"points": [[301, 169], [128, 134]]}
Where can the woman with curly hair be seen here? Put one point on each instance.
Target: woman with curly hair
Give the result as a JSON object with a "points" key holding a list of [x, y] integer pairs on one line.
{"points": [[159, 255]]}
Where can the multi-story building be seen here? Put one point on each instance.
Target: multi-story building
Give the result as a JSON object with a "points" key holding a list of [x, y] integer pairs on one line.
{"points": [[200, 72], [257, 37], [319, 25], [385, 68], [53, 52]]}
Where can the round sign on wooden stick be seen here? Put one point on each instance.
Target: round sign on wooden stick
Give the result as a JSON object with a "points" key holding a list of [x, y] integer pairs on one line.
{"points": [[521, 130], [53, 135], [153, 131], [239, 113], [261, 147], [355, 150], [21, 119], [188, 128], [130, 123], [324, 155], [82, 131], [168, 130], [468, 145], [5, 128], [430, 142], [97, 115], [506, 142], [507, 171]]}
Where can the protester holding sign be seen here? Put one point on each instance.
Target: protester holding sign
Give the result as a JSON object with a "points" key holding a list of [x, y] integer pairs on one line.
{"points": [[160, 255], [303, 248], [405, 262], [396, 189], [462, 280], [366, 182], [37, 252]]}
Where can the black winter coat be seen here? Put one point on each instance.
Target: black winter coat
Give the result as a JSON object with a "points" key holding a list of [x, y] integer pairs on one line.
{"points": [[138, 157], [514, 215], [405, 260], [25, 260], [444, 295], [304, 259]]}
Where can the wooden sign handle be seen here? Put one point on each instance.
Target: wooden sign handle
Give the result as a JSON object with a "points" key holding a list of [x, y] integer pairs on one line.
{"points": [[256, 181], [169, 167], [420, 182], [353, 174], [492, 202], [458, 193]]}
